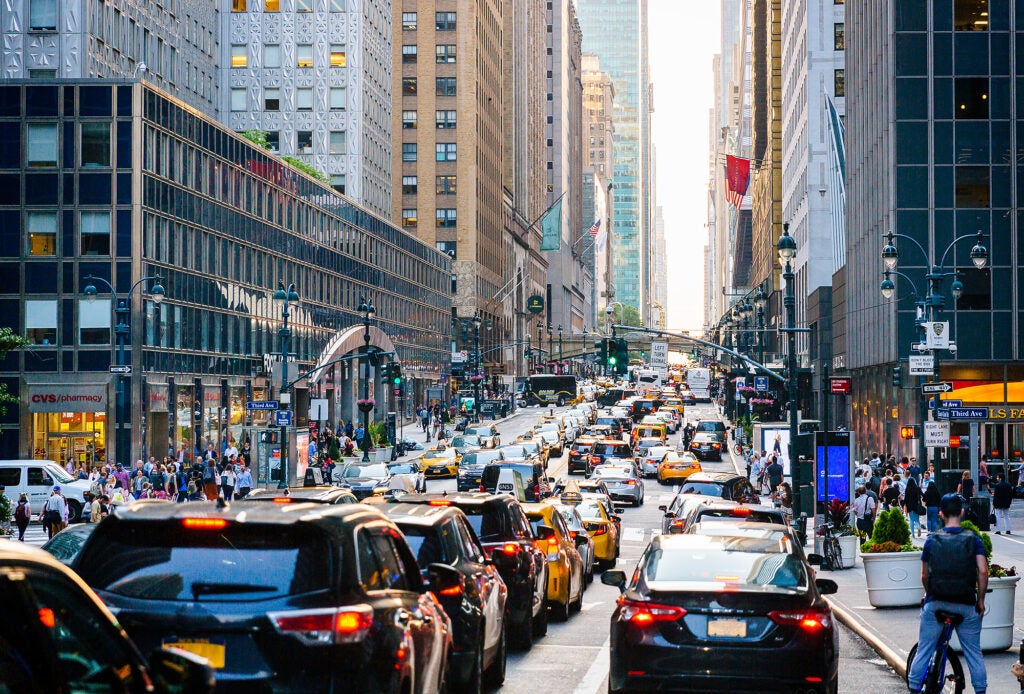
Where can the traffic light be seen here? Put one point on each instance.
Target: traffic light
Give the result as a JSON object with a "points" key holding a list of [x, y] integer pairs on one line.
{"points": [[608, 352], [897, 376], [600, 351], [910, 431], [622, 357], [396, 378], [385, 373]]}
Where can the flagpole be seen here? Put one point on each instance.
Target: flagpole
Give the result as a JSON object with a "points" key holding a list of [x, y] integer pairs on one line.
{"points": [[544, 213]]}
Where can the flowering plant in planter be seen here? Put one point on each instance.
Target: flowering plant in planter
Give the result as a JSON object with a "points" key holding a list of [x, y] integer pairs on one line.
{"points": [[746, 390], [891, 534], [476, 378], [994, 570], [839, 515], [365, 404]]}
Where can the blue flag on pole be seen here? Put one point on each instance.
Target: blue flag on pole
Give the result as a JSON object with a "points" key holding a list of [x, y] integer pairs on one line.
{"points": [[551, 227]]}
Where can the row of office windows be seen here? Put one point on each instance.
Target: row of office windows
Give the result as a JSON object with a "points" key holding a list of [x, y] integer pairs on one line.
{"points": [[444, 217], [445, 119], [443, 53], [443, 86], [336, 55], [275, 5], [443, 21], [87, 144], [337, 99], [443, 151], [443, 185]]}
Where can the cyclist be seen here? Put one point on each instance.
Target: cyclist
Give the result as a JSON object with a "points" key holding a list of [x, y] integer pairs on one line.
{"points": [[955, 577]]}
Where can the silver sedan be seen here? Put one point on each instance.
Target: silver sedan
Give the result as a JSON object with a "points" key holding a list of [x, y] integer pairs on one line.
{"points": [[624, 484]]}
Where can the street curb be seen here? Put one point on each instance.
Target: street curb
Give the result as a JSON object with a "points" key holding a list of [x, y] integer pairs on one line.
{"points": [[894, 660]]}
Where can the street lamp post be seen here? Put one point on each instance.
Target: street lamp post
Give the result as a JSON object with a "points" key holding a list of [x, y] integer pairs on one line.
{"points": [[476, 376], [787, 252], [929, 306], [284, 296], [367, 310], [122, 418], [760, 302], [559, 349]]}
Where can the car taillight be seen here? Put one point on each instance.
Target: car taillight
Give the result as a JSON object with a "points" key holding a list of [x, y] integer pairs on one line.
{"points": [[510, 549], [641, 613], [282, 500], [631, 483], [716, 445], [573, 534], [482, 488], [549, 546], [595, 460], [536, 491], [599, 529], [439, 502], [451, 592], [741, 511], [204, 523], [808, 620], [325, 626]]}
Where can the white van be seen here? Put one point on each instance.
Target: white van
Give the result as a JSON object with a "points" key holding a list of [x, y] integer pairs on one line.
{"points": [[36, 478]]}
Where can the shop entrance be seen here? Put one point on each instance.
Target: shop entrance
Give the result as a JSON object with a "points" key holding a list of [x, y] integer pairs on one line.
{"points": [[70, 436]]}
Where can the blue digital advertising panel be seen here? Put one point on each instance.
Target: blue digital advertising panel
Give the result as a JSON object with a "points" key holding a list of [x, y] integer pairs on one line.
{"points": [[833, 451]]}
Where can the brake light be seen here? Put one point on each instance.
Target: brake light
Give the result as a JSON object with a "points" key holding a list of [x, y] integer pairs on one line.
{"points": [[741, 511], [325, 626], [510, 549], [595, 460], [536, 491], [716, 445], [810, 620], [573, 534], [549, 546], [439, 502], [204, 523], [641, 613], [451, 592], [600, 530], [282, 500], [631, 483], [47, 618], [482, 488]]}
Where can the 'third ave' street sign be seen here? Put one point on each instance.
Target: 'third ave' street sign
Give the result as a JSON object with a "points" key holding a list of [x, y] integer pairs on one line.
{"points": [[261, 405], [944, 387], [957, 413]]}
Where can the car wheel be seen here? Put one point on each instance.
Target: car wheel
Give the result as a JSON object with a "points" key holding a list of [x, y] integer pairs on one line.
{"points": [[74, 511], [577, 604], [560, 610], [474, 682], [641, 500], [522, 633], [588, 577], [495, 675], [540, 622]]}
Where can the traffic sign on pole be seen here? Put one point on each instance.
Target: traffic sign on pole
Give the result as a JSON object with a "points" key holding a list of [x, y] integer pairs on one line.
{"points": [[932, 388], [261, 405], [921, 364], [284, 418], [761, 384], [936, 434], [121, 369]]}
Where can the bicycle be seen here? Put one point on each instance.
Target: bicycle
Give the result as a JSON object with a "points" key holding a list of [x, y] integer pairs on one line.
{"points": [[935, 679], [831, 554]]}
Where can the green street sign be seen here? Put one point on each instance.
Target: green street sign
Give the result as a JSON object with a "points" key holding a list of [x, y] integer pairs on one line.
{"points": [[535, 304]]}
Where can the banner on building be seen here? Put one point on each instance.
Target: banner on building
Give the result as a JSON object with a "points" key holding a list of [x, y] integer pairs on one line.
{"points": [[551, 227], [737, 178]]}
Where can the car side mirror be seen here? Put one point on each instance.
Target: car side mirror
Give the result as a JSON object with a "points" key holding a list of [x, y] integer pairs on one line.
{"points": [[614, 578], [175, 670], [551, 480], [442, 577], [815, 559], [545, 532], [826, 586], [663, 508], [616, 518]]}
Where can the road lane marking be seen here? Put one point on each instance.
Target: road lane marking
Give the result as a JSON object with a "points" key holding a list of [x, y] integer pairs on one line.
{"points": [[593, 681], [590, 605], [633, 534]]}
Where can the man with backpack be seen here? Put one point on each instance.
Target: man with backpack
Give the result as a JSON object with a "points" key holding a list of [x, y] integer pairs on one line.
{"points": [[954, 572]]}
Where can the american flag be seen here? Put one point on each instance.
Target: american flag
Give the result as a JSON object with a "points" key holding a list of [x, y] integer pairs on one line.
{"points": [[594, 229], [737, 177]]}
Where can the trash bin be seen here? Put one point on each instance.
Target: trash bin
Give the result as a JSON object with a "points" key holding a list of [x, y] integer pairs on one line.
{"points": [[980, 509]]}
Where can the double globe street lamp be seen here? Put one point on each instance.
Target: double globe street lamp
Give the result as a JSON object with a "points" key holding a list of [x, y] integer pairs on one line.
{"points": [[366, 404], [284, 297]]}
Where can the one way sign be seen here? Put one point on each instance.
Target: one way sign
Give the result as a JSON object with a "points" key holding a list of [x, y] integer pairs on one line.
{"points": [[931, 388]]}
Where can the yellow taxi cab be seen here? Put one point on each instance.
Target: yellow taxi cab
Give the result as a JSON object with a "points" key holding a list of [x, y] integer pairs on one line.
{"points": [[565, 565], [600, 526], [440, 461], [676, 466], [674, 404], [646, 431]]}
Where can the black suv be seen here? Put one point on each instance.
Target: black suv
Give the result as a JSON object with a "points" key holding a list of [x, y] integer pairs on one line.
{"points": [[507, 538], [609, 448], [579, 455], [724, 485], [477, 607], [278, 597], [471, 468], [535, 482]]}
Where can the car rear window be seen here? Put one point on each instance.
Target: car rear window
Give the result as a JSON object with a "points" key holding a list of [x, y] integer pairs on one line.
{"points": [[614, 449], [705, 488], [481, 457], [489, 523], [731, 515], [582, 447], [589, 510], [238, 563], [747, 561]]}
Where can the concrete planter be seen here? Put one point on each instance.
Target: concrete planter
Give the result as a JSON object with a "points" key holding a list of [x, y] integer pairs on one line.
{"points": [[997, 622], [381, 454], [848, 545], [893, 578]]}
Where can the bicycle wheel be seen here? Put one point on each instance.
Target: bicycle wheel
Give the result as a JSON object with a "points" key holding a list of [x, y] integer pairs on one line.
{"points": [[951, 681]]}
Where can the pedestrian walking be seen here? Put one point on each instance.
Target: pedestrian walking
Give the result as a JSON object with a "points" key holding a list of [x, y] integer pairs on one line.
{"points": [[210, 480], [244, 482], [932, 497], [864, 511], [966, 486], [227, 482], [1002, 498], [22, 515], [912, 503], [774, 473], [54, 513]]}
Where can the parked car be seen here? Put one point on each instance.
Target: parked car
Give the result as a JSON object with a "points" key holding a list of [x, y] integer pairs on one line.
{"points": [[57, 636], [471, 468], [722, 485], [703, 608], [476, 606], [283, 597], [37, 478], [508, 540]]}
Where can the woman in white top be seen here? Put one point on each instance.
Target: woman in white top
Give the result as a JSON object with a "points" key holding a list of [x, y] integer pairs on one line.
{"points": [[227, 482]]}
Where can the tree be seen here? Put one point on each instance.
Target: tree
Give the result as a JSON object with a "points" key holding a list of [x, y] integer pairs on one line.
{"points": [[9, 341], [259, 137]]}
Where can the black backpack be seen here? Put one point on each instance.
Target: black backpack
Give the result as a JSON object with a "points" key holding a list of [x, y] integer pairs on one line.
{"points": [[952, 567]]}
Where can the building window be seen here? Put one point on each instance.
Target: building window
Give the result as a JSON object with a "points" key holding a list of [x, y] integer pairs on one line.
{"points": [[94, 321], [840, 82], [41, 321], [42, 144], [42, 15], [42, 74], [408, 151], [304, 99], [408, 21], [971, 95], [95, 233], [304, 55], [409, 185], [239, 55], [449, 248], [445, 217], [42, 233], [840, 36], [444, 21], [272, 55], [338, 55], [238, 99], [304, 141], [409, 86], [445, 119], [409, 120], [337, 142], [272, 99], [338, 99], [409, 54], [970, 15], [95, 144], [303, 5], [337, 5], [977, 294], [445, 151], [338, 183], [444, 86], [972, 186], [445, 53], [274, 141], [272, 5], [445, 185], [409, 217], [238, 5]]}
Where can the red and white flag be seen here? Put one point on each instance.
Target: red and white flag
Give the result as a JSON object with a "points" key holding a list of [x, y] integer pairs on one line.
{"points": [[595, 229], [737, 177]]}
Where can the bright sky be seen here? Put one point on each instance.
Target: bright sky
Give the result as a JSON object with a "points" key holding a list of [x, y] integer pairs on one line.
{"points": [[684, 37]]}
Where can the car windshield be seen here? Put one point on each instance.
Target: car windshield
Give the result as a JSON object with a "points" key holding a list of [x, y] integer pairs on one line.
{"points": [[590, 510], [446, 453], [376, 471], [735, 561], [402, 469], [481, 457], [60, 473], [705, 488], [515, 452], [240, 562], [465, 441]]}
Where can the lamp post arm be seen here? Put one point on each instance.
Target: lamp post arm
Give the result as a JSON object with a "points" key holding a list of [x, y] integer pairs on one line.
{"points": [[924, 253], [140, 281], [94, 278], [952, 243], [913, 286]]}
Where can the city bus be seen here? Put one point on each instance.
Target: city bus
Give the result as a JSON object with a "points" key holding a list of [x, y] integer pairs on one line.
{"points": [[546, 389]]}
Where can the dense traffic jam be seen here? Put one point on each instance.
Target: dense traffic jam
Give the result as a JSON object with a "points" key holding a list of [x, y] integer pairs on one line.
{"points": [[372, 584]]}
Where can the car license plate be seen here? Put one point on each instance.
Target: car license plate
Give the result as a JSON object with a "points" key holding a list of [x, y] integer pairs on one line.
{"points": [[735, 628], [213, 651]]}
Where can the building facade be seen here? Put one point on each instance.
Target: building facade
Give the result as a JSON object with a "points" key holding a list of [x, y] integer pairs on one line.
{"points": [[598, 166], [117, 182]]}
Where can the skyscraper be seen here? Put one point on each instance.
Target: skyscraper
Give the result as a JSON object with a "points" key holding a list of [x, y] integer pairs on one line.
{"points": [[616, 31]]}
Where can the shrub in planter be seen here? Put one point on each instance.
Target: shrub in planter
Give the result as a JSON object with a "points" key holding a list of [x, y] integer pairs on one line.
{"points": [[892, 532], [997, 622], [994, 570]]}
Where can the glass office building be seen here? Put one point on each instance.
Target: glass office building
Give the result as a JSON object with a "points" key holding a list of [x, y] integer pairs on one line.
{"points": [[120, 181]]}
